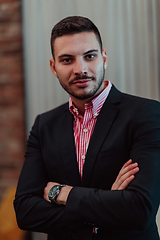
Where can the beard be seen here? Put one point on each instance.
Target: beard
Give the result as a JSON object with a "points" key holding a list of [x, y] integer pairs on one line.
{"points": [[85, 95]]}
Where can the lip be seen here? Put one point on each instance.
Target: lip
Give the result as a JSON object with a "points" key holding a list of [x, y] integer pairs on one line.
{"points": [[82, 82]]}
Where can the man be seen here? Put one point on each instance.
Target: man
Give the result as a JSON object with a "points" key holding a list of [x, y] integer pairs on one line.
{"points": [[78, 180]]}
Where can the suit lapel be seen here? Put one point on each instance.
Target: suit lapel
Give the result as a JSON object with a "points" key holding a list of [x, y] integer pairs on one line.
{"points": [[68, 152], [104, 122]]}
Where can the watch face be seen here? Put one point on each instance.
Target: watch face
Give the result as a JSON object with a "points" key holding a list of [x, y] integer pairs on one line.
{"points": [[54, 192]]}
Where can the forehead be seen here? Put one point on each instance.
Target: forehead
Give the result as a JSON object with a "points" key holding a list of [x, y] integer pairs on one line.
{"points": [[75, 44]]}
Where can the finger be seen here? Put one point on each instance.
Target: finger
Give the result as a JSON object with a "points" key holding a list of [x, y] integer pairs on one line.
{"points": [[127, 178], [128, 174], [119, 181], [124, 169], [125, 172], [126, 182], [128, 168], [127, 163]]}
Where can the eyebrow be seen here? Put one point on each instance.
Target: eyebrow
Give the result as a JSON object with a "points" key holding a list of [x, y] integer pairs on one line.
{"points": [[90, 51], [70, 55], [65, 55]]}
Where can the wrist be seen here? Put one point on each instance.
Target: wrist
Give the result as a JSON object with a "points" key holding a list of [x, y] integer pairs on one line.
{"points": [[63, 195]]}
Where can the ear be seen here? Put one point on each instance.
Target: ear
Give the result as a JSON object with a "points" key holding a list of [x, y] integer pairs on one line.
{"points": [[105, 58], [52, 66]]}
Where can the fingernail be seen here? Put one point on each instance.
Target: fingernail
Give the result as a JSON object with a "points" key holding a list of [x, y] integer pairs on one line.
{"points": [[135, 164]]}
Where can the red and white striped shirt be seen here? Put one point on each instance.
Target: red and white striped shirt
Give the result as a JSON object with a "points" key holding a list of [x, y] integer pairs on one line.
{"points": [[84, 125]]}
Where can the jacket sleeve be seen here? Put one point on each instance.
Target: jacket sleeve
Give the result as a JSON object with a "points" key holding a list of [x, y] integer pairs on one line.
{"points": [[32, 211], [137, 205]]}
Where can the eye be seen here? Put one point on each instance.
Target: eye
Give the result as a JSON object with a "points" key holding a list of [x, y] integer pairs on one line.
{"points": [[66, 60], [90, 56]]}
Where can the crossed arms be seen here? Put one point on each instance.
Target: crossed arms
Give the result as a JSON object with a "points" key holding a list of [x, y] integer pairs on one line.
{"points": [[134, 207], [125, 176]]}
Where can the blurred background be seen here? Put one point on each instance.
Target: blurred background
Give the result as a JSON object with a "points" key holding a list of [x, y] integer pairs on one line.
{"points": [[130, 32]]}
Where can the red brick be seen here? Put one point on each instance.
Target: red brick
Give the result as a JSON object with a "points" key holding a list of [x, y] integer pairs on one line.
{"points": [[12, 112], [10, 94], [10, 32], [11, 64], [10, 11], [9, 1]]}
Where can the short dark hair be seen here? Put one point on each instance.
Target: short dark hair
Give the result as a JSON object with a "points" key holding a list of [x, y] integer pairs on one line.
{"points": [[72, 25]]}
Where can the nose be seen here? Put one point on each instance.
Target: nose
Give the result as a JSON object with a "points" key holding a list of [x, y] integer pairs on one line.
{"points": [[80, 67]]}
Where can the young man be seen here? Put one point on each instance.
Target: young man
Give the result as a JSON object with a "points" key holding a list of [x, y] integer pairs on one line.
{"points": [[77, 182]]}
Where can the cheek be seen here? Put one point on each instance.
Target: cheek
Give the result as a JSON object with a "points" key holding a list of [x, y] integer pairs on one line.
{"points": [[96, 66], [99, 69], [63, 73]]}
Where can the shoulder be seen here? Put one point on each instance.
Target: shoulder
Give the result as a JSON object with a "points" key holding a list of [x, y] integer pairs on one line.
{"points": [[56, 111], [132, 101], [53, 115]]}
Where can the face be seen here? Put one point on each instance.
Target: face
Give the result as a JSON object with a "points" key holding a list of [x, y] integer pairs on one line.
{"points": [[79, 65]]}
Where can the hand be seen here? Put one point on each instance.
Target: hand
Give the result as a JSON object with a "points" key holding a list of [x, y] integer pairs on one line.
{"points": [[62, 197], [125, 176]]}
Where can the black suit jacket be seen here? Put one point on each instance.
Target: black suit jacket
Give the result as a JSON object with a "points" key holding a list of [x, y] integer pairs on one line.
{"points": [[127, 127]]}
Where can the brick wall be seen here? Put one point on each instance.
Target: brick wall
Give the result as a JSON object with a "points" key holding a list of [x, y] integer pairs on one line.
{"points": [[12, 111]]}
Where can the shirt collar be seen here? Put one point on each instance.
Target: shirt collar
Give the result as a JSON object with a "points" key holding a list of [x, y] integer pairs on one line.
{"points": [[96, 103]]}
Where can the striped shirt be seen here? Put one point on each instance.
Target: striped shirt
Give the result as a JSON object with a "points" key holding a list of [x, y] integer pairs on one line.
{"points": [[84, 125]]}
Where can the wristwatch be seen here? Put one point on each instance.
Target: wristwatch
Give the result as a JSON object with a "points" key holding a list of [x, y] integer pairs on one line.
{"points": [[54, 192]]}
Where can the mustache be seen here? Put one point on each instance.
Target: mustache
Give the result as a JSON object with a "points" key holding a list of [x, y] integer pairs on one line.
{"points": [[81, 77]]}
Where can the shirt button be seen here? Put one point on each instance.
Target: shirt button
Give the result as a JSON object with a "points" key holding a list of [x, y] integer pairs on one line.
{"points": [[85, 130], [83, 157], [74, 110]]}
